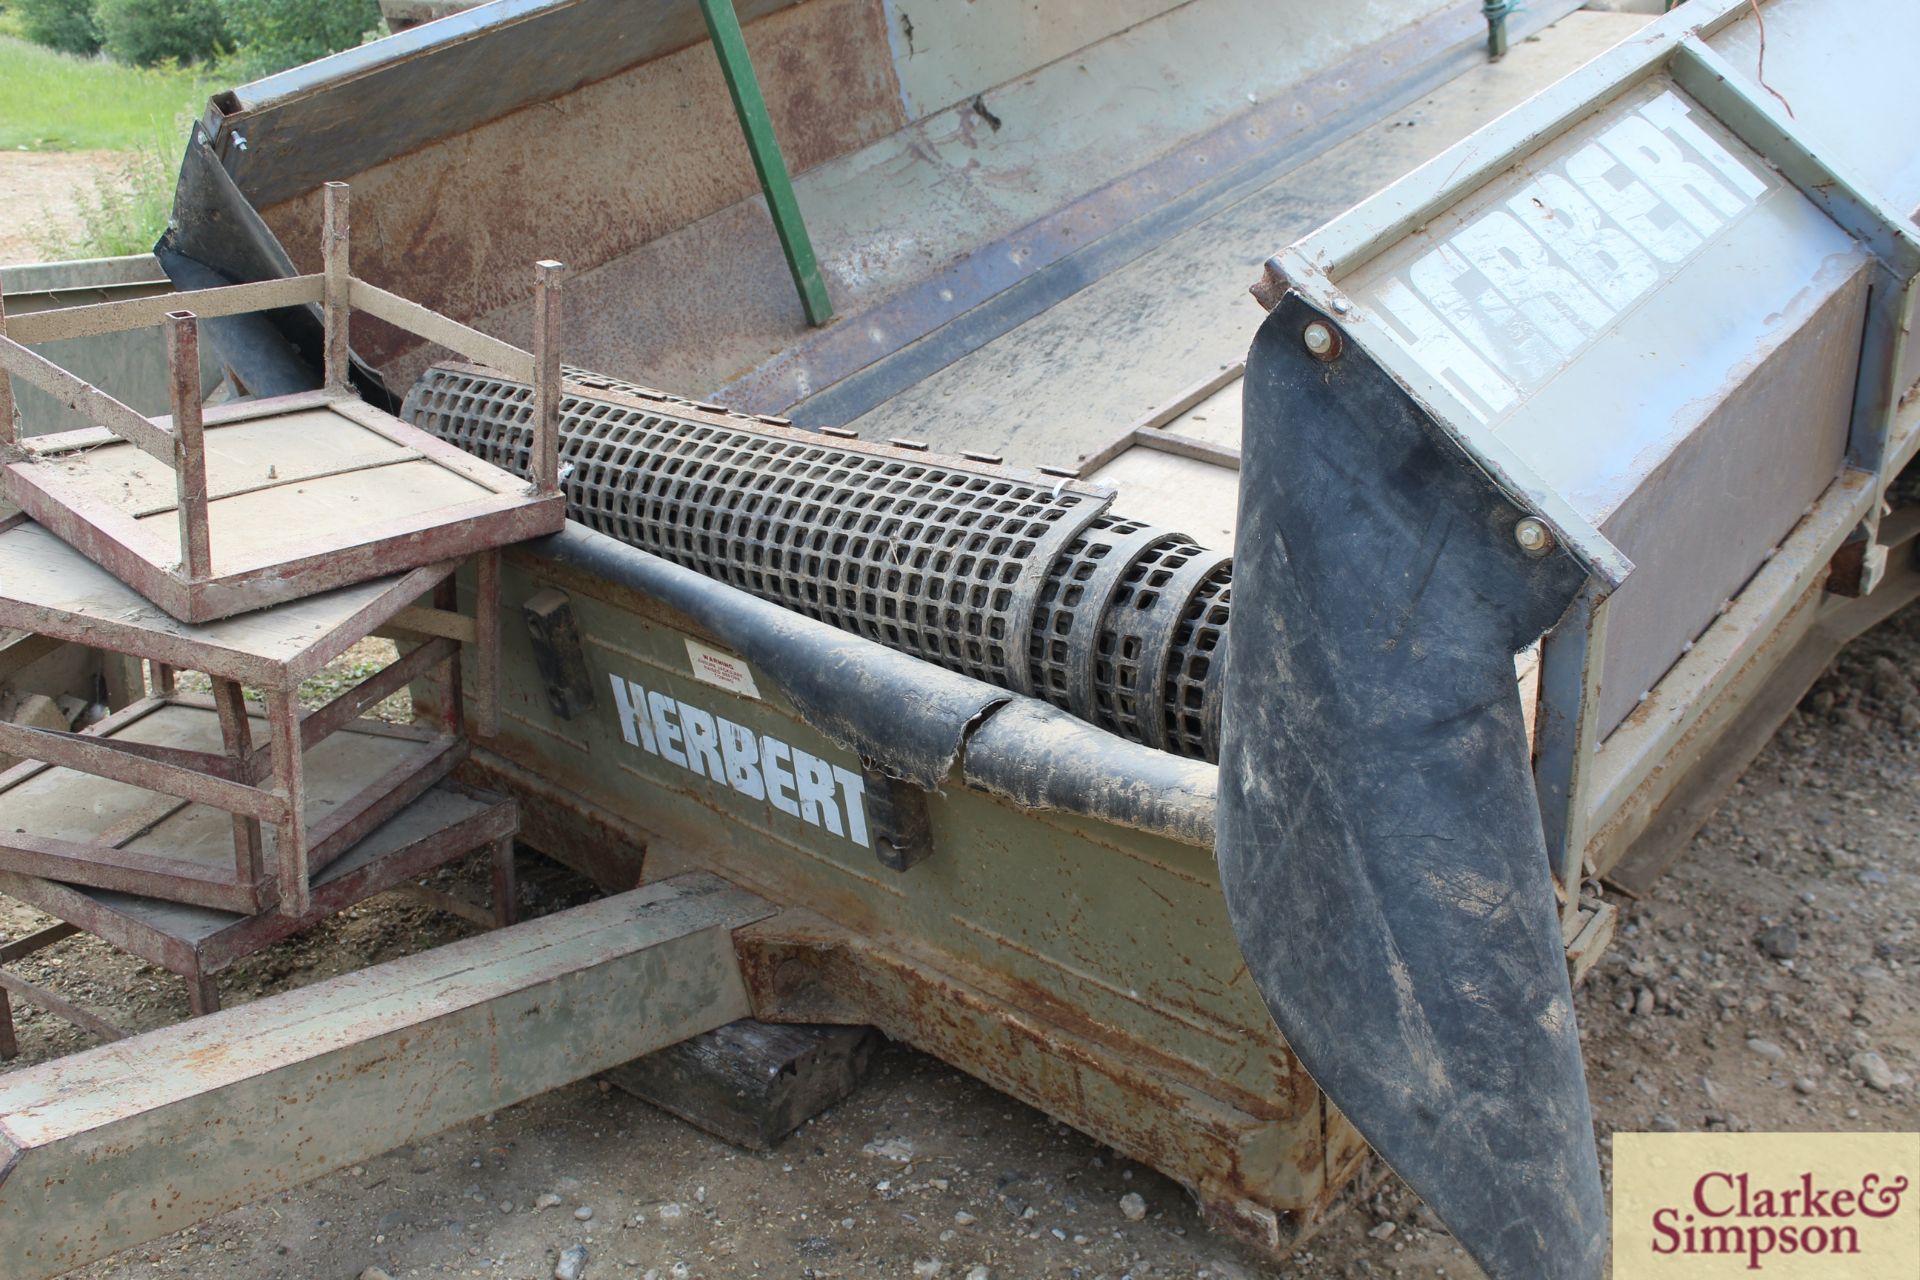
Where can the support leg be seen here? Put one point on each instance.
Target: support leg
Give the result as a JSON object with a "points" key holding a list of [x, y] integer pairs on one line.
{"points": [[189, 445], [9, 1045], [283, 714], [486, 649], [506, 885], [237, 739], [203, 994], [446, 596], [9, 433], [337, 284]]}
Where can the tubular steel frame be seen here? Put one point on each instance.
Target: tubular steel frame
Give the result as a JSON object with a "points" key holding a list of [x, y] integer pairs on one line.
{"points": [[199, 960], [255, 783], [191, 589]]}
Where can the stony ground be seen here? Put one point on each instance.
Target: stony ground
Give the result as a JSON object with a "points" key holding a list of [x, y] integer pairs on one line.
{"points": [[1768, 984]]}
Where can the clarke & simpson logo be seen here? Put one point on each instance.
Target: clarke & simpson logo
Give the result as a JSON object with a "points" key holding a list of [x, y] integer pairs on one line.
{"points": [[1785, 1205]]}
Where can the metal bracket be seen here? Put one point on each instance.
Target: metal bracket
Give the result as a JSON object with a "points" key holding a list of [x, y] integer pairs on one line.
{"points": [[558, 653], [897, 814]]}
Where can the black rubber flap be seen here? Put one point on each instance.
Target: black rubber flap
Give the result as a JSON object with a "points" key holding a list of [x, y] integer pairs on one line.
{"points": [[1380, 840]]}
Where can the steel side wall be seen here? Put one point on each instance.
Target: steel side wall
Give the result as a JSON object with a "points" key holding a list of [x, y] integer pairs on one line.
{"points": [[1106, 933]]}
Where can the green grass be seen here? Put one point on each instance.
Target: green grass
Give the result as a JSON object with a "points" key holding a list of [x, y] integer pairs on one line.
{"points": [[55, 102], [123, 210]]}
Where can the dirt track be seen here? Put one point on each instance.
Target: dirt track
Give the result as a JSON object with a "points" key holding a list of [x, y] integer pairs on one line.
{"points": [[37, 188]]}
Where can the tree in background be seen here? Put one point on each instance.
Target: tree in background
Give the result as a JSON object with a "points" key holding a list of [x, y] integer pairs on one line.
{"points": [[146, 32], [275, 34], [264, 35], [67, 25]]}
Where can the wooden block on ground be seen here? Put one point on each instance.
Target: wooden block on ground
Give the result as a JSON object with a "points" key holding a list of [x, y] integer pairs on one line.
{"points": [[752, 1083]]}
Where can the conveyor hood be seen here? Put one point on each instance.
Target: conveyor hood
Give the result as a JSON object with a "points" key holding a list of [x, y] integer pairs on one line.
{"points": [[1656, 315]]}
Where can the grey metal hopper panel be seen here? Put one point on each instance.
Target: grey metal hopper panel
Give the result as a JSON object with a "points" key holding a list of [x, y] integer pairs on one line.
{"points": [[1665, 331]]}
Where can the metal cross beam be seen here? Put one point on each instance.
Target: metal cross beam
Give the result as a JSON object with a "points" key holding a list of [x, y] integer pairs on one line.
{"points": [[723, 24]]}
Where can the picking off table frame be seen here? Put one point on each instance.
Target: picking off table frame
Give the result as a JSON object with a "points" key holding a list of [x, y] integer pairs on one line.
{"points": [[367, 495]]}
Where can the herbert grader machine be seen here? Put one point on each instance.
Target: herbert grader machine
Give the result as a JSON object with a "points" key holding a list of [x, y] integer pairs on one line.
{"points": [[1178, 557]]}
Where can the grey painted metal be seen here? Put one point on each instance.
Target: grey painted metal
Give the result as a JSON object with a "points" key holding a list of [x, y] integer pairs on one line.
{"points": [[1888, 362], [130, 367], [1750, 367], [1566, 731], [107, 1148]]}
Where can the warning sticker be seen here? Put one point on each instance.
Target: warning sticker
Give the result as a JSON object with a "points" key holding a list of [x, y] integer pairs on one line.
{"points": [[722, 670]]}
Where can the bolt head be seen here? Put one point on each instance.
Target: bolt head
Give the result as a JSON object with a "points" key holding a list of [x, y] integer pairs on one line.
{"points": [[1319, 339], [1533, 536]]}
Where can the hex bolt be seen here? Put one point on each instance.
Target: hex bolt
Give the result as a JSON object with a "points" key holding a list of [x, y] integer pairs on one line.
{"points": [[1321, 341], [1533, 536]]}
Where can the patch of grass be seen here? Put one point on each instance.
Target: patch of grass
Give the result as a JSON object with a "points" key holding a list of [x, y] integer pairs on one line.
{"points": [[125, 208], [56, 102]]}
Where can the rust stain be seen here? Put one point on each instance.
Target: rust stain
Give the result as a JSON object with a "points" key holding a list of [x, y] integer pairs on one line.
{"points": [[593, 176]]}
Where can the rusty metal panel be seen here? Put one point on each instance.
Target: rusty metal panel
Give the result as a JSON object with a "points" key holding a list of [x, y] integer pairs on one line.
{"points": [[107, 1148], [1263, 1175], [615, 163], [323, 120]]}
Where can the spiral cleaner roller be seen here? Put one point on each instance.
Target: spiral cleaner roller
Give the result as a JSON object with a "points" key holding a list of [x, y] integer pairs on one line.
{"points": [[1020, 580]]}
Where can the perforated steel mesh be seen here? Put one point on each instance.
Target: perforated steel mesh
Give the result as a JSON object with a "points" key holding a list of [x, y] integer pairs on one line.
{"points": [[1015, 580], [917, 554]]}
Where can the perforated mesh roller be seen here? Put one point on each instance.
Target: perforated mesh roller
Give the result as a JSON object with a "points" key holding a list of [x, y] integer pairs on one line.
{"points": [[1018, 580]]}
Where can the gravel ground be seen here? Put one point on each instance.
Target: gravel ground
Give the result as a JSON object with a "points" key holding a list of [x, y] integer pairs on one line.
{"points": [[1767, 985]]}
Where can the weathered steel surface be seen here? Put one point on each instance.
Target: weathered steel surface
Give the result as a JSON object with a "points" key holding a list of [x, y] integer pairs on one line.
{"points": [[282, 535], [1644, 743], [197, 943], [1758, 686], [77, 817], [646, 150], [1037, 379], [119, 1144], [1709, 459], [1102, 941], [1261, 1168], [455, 76], [50, 589]]}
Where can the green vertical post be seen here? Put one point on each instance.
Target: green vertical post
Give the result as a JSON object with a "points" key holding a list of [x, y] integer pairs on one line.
{"points": [[723, 24]]}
